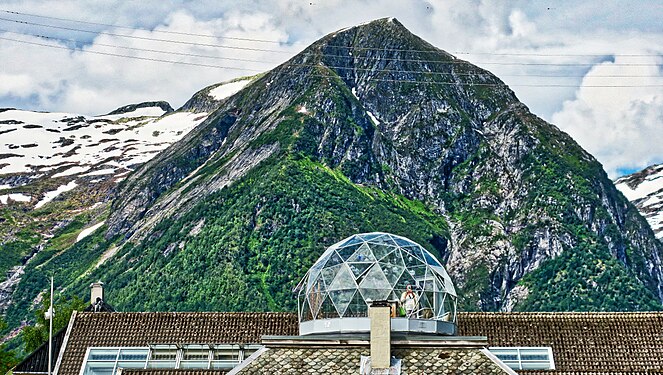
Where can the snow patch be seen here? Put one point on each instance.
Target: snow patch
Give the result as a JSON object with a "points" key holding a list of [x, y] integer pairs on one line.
{"points": [[302, 110], [17, 197], [100, 172], [228, 89], [50, 195], [354, 92], [88, 231], [70, 171], [373, 118], [650, 185], [4, 187]]}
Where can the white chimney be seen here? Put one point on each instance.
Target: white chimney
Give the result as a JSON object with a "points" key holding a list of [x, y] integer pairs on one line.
{"points": [[380, 314], [96, 291]]}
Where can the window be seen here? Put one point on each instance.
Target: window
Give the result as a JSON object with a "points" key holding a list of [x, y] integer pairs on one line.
{"points": [[106, 361], [525, 358]]}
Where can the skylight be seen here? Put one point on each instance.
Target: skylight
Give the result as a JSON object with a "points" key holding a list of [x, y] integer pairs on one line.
{"points": [[107, 360], [525, 358]]}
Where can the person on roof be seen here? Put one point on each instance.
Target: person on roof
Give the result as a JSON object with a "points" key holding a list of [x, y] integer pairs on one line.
{"points": [[409, 301]]}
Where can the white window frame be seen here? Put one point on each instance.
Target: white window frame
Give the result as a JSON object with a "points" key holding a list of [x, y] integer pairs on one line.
{"points": [[516, 350], [179, 356]]}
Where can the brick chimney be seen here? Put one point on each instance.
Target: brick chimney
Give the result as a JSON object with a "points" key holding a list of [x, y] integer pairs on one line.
{"points": [[380, 314]]}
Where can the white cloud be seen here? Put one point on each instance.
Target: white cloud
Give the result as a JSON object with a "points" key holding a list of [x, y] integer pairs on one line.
{"points": [[621, 127], [54, 79]]}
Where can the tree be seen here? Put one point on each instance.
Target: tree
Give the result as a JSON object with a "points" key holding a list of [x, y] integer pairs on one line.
{"points": [[34, 336], [8, 358]]}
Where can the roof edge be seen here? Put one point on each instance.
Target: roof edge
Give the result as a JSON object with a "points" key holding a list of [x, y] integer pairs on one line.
{"points": [[498, 362], [63, 347], [248, 361]]}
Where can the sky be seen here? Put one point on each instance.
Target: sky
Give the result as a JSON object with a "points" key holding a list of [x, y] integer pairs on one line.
{"points": [[593, 68]]}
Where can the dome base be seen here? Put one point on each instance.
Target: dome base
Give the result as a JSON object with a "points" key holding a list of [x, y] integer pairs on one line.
{"points": [[363, 324]]}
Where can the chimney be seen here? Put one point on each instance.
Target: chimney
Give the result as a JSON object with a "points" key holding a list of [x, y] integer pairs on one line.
{"points": [[380, 315], [96, 291]]}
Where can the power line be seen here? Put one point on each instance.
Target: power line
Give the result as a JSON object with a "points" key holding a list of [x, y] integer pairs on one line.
{"points": [[141, 28], [323, 75], [277, 42], [144, 38], [329, 66], [343, 47], [142, 49], [134, 57]]}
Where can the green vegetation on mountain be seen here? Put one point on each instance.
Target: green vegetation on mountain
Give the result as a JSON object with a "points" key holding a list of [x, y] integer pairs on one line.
{"points": [[246, 246]]}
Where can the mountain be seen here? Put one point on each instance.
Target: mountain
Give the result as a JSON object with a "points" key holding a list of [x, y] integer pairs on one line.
{"points": [[369, 129], [59, 170], [645, 190]]}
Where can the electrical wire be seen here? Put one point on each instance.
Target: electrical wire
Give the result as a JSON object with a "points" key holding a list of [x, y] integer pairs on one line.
{"points": [[277, 42], [323, 75], [329, 66], [141, 28], [343, 47]]}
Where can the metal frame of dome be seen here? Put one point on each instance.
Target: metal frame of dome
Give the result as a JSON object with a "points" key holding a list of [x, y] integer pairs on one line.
{"points": [[335, 293]]}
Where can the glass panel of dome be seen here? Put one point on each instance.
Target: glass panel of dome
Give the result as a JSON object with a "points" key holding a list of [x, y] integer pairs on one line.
{"points": [[402, 241], [341, 299], [449, 286], [357, 307], [394, 258], [375, 294], [411, 260], [316, 285], [430, 260], [419, 272], [370, 236], [343, 280], [375, 279], [328, 274], [416, 251], [333, 260], [306, 313], [386, 240], [351, 241], [363, 254], [327, 309], [381, 250], [359, 268], [315, 301], [405, 280], [392, 272], [346, 252]]}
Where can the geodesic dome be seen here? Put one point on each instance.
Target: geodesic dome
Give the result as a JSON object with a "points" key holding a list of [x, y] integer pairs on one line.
{"points": [[375, 267]]}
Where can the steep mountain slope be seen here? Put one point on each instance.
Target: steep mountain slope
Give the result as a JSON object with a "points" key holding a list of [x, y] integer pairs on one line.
{"points": [[370, 128], [58, 170], [645, 190]]}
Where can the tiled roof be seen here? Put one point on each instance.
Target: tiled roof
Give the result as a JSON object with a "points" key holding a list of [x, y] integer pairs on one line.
{"points": [[142, 329], [37, 361], [582, 343], [605, 343], [347, 361], [166, 371]]}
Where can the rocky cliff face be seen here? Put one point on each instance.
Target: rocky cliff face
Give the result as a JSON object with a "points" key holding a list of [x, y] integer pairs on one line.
{"points": [[645, 190], [391, 111], [372, 128]]}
